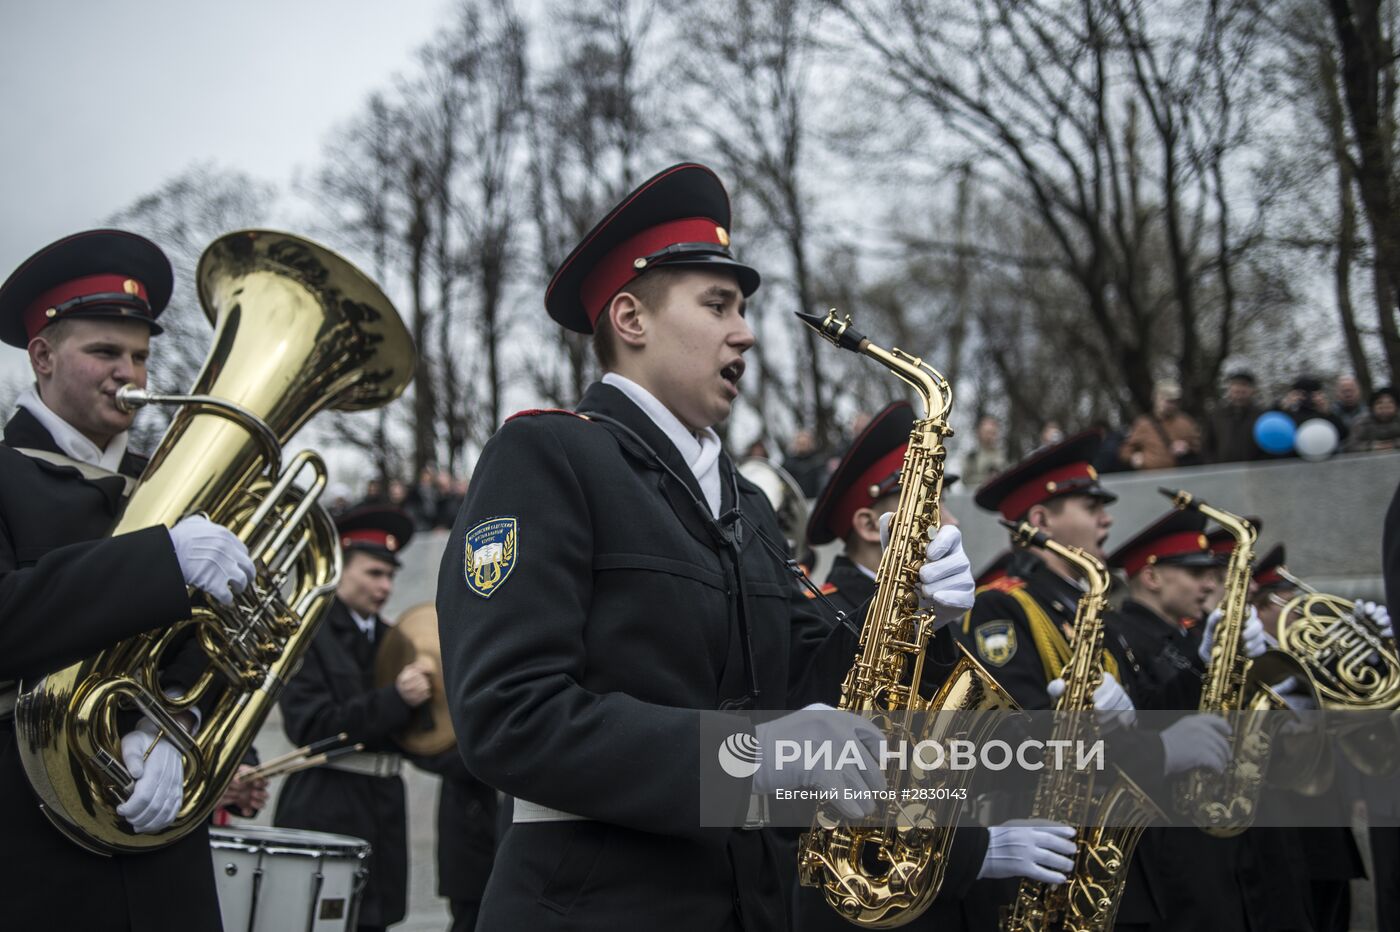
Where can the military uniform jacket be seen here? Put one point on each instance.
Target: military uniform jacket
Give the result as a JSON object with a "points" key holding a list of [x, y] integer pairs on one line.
{"points": [[334, 692], [848, 588], [1162, 662], [577, 683], [1023, 653], [67, 590]]}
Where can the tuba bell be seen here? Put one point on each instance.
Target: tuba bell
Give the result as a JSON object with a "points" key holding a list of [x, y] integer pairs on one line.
{"points": [[297, 329]]}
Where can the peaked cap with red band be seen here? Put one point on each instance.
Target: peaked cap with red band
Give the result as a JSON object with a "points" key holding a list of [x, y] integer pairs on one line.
{"points": [[381, 532], [1266, 575], [868, 471], [676, 219], [97, 274], [1222, 542], [1050, 472], [1178, 538]]}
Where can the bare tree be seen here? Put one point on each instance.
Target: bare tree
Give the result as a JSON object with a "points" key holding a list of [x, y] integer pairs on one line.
{"points": [[1368, 77]]}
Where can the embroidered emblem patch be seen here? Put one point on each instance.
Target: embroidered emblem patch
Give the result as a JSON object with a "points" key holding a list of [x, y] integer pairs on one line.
{"points": [[489, 555], [996, 642]]}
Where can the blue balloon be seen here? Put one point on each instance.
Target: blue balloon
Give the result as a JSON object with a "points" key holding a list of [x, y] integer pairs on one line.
{"points": [[1274, 432]]}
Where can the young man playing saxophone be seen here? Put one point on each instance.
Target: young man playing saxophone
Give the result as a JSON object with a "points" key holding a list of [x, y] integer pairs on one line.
{"points": [[609, 581]]}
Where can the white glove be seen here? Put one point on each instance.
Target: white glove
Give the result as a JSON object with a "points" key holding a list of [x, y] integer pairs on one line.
{"points": [[1042, 851], [817, 723], [1294, 695], [1112, 706], [1196, 741], [212, 558], [160, 779], [1253, 639], [1379, 615], [946, 585]]}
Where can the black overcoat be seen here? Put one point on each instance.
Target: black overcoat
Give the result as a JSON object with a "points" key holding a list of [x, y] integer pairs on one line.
{"points": [[67, 590], [334, 692], [580, 682]]}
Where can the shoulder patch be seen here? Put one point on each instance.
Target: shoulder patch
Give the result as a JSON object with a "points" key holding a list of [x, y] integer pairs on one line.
{"points": [[489, 553], [826, 589], [996, 642], [1004, 584], [532, 412]]}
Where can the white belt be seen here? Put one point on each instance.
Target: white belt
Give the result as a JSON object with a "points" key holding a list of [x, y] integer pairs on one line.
{"points": [[366, 764], [526, 811]]}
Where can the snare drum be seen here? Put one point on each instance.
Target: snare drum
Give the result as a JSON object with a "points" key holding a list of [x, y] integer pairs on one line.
{"points": [[288, 880]]}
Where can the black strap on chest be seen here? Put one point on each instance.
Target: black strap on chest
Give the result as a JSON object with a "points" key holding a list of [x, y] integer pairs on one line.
{"points": [[726, 533]]}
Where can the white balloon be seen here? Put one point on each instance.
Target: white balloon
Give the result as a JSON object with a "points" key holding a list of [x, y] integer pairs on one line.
{"points": [[1316, 439]]}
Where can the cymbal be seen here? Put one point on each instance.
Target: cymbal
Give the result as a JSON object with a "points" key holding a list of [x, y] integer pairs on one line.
{"points": [[415, 637]]}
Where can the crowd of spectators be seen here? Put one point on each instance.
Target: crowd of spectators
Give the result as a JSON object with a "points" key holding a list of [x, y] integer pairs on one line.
{"points": [[432, 502]]}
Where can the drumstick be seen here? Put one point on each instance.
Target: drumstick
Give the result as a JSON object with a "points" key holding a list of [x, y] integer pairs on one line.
{"points": [[306, 763], [301, 752]]}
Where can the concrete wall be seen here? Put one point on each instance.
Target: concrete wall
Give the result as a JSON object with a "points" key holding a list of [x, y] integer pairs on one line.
{"points": [[1329, 515]]}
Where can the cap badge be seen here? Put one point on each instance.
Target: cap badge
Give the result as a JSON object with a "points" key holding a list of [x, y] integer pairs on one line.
{"points": [[722, 235], [131, 287]]}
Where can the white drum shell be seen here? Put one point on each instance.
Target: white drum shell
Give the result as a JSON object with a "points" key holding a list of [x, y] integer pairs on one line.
{"points": [[287, 880]]}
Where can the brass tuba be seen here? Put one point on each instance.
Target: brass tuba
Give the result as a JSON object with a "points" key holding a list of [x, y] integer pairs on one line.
{"points": [[296, 329], [886, 876]]}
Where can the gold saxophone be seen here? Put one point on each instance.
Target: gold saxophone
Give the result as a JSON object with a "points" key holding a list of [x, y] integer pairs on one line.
{"points": [[881, 877], [1109, 823], [1223, 804], [296, 329]]}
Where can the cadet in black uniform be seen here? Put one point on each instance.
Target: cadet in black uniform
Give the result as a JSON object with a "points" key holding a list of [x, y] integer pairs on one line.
{"points": [[610, 579], [864, 486], [1019, 625], [1330, 852], [359, 794], [1250, 881], [85, 309]]}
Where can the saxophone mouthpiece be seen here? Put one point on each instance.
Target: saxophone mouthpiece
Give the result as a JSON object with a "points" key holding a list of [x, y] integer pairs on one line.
{"points": [[1180, 497], [837, 330], [1025, 534]]}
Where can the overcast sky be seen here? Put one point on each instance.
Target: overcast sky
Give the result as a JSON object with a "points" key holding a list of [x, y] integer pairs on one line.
{"points": [[103, 100]]}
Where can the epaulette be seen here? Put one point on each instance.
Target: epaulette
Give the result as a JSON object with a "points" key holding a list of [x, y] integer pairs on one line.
{"points": [[1004, 584], [826, 589], [531, 412]]}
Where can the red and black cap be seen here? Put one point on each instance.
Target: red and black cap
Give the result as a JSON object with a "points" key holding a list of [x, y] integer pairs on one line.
{"points": [[678, 218], [96, 274], [1065, 468], [1266, 570], [998, 568], [1178, 538], [868, 471], [376, 530], [1222, 542]]}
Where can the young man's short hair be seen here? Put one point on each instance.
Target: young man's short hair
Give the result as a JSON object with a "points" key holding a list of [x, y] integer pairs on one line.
{"points": [[650, 289]]}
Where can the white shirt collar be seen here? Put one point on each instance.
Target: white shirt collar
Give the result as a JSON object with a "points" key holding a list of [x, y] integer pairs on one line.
{"points": [[701, 452], [865, 569], [366, 625], [68, 438]]}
